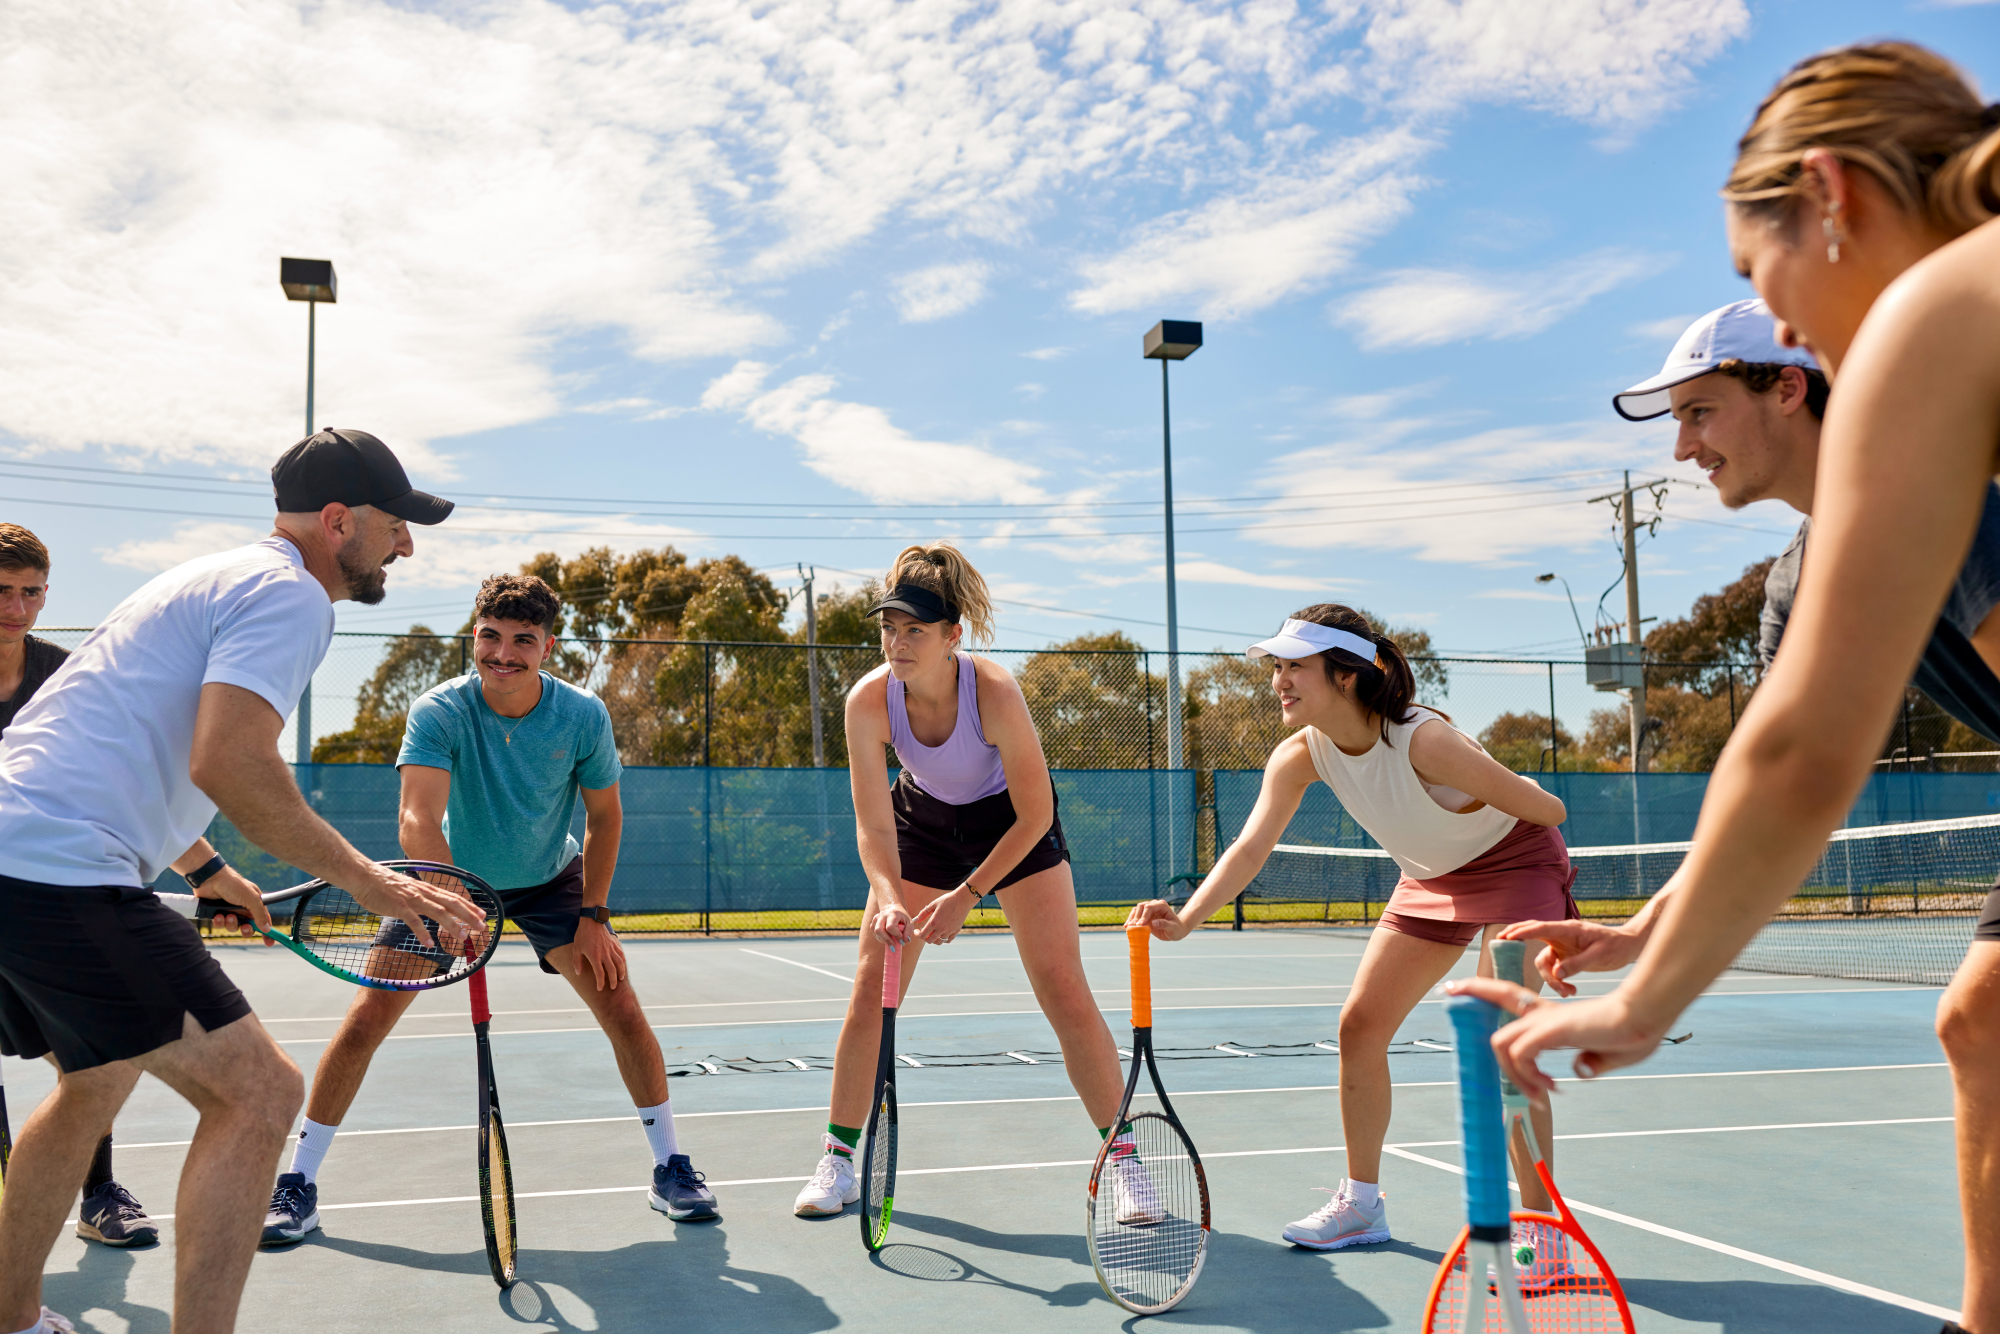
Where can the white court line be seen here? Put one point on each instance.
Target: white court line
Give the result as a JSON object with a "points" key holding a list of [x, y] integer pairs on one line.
{"points": [[1782, 1266], [819, 1109], [814, 968]]}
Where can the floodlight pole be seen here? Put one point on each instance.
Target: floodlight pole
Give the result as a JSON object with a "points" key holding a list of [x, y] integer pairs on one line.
{"points": [[1171, 340], [311, 281]]}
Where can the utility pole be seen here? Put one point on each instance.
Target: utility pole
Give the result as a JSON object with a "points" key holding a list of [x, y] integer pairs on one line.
{"points": [[1632, 635], [812, 665], [311, 281]]}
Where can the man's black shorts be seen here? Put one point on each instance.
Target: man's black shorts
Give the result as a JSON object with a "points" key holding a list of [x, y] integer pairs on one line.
{"points": [[545, 914], [102, 974], [941, 844]]}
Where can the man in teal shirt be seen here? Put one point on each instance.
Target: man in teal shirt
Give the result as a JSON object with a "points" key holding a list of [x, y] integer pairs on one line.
{"points": [[492, 766]]}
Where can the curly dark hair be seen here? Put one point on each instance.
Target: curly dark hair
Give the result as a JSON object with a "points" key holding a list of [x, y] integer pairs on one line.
{"points": [[1761, 377], [518, 597]]}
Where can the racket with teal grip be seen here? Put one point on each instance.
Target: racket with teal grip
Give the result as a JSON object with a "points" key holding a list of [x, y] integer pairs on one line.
{"points": [[333, 931], [1483, 1131]]}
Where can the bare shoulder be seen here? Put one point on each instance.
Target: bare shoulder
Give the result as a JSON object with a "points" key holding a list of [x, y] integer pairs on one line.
{"points": [[1291, 759], [871, 692], [996, 684], [1435, 735], [1947, 302]]}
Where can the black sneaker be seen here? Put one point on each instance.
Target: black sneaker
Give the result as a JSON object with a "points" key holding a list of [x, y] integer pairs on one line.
{"points": [[294, 1211], [111, 1217], [678, 1191]]}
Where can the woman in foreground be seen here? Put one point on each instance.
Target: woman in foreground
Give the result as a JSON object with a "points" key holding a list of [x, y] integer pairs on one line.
{"points": [[1477, 846], [1862, 208], [973, 813]]}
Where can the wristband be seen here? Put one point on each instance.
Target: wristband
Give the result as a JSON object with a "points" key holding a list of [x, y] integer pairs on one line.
{"points": [[205, 872], [600, 914]]}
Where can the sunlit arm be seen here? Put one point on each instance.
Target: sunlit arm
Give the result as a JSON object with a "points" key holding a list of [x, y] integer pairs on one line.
{"points": [[1004, 718], [426, 791], [868, 779], [1441, 754]]}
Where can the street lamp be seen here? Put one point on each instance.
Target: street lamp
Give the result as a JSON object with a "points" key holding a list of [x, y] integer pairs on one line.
{"points": [[1171, 340], [310, 281], [1582, 638]]}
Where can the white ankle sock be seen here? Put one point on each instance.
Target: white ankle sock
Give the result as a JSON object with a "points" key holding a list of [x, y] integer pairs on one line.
{"points": [[659, 1124], [1367, 1194], [314, 1140]]}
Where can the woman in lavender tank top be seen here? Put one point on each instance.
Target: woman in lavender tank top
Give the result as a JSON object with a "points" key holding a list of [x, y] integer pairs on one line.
{"points": [[1478, 848], [972, 813]]}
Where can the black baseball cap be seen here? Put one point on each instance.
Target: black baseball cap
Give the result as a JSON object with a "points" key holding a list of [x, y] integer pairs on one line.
{"points": [[921, 603], [351, 468]]}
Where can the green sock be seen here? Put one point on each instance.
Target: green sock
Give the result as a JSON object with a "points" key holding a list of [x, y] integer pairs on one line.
{"points": [[847, 1135]]}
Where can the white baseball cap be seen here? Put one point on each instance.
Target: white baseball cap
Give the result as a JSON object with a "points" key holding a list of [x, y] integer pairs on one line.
{"points": [[1740, 331]]}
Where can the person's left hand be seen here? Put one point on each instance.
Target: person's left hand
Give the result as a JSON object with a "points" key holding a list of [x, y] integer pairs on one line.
{"points": [[598, 950], [943, 917], [232, 886]]}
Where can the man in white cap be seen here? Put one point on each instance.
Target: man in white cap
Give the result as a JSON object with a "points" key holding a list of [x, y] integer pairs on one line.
{"points": [[1749, 410]]}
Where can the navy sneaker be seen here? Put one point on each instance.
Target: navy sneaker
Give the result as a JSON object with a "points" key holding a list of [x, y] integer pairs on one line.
{"points": [[294, 1211], [678, 1193], [112, 1217]]}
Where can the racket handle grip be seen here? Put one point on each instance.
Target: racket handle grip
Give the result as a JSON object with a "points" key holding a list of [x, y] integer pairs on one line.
{"points": [[475, 990], [892, 976], [1481, 1129], [1510, 961], [1139, 940]]}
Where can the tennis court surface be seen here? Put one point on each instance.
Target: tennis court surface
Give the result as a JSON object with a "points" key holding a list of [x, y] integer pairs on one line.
{"points": [[1787, 1168]]}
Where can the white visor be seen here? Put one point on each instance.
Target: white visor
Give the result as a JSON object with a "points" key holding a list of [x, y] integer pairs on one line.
{"points": [[1302, 639]]}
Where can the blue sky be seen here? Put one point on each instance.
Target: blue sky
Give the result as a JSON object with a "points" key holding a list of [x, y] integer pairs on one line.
{"points": [[744, 278]]}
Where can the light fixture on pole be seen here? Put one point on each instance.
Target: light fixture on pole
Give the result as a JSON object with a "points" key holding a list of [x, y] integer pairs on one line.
{"points": [[1171, 340], [1581, 637], [310, 281]]}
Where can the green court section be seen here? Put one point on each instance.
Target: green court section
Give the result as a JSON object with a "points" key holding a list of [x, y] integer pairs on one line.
{"points": [[1787, 1168]]}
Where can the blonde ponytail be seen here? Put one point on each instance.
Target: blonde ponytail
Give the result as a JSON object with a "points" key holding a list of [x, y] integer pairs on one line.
{"points": [[942, 568]]}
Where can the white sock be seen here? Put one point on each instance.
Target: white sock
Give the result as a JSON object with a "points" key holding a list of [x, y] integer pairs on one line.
{"points": [[659, 1124], [1367, 1194], [314, 1140]]}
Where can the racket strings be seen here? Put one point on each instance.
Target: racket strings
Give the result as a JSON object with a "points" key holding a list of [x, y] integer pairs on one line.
{"points": [[1562, 1285], [1148, 1213], [496, 1193], [346, 935], [878, 1192]]}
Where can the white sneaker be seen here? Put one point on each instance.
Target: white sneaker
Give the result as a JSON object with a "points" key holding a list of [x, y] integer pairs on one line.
{"points": [[1342, 1222], [1135, 1201], [832, 1187], [1541, 1256]]}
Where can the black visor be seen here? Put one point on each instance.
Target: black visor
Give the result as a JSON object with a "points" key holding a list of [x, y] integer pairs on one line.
{"points": [[921, 603]]}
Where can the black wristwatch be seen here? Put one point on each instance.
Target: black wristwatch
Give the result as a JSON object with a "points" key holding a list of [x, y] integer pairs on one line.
{"points": [[600, 914], [205, 872]]}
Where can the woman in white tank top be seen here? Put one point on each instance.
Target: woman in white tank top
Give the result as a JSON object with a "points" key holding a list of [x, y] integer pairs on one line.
{"points": [[1477, 846]]}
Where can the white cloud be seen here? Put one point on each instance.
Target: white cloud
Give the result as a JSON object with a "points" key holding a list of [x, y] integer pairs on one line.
{"points": [[1247, 248], [736, 386], [855, 445], [1214, 572], [1532, 594], [190, 538], [1665, 330], [1048, 353], [1425, 307], [940, 290]]}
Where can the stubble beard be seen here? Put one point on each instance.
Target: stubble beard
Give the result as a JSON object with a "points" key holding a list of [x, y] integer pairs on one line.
{"points": [[366, 584]]}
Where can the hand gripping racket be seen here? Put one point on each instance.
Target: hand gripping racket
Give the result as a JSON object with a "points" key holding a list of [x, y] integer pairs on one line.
{"points": [[878, 1159], [1567, 1285], [1147, 1210], [1460, 1303], [496, 1173], [331, 930]]}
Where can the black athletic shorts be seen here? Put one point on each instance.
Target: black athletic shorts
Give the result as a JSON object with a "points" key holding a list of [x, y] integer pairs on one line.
{"points": [[940, 844], [1989, 917], [102, 974], [545, 914]]}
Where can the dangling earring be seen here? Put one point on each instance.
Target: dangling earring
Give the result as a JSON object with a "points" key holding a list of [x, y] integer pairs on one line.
{"points": [[1830, 229]]}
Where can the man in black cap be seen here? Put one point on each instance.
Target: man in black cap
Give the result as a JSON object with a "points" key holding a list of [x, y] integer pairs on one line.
{"points": [[169, 711]]}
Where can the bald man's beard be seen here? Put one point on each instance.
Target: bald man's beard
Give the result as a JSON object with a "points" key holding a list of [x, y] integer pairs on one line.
{"points": [[366, 584]]}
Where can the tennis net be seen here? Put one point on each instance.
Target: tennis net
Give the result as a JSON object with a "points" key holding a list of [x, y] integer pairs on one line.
{"points": [[1893, 903]]}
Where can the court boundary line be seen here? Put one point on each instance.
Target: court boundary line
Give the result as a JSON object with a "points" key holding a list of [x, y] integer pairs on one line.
{"points": [[1835, 1281], [1197, 1093]]}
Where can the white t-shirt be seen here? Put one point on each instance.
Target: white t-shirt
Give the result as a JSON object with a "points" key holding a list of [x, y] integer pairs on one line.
{"points": [[94, 786]]}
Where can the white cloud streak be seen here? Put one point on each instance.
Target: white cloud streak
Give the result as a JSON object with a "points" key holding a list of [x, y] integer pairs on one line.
{"points": [[940, 290], [1426, 307]]}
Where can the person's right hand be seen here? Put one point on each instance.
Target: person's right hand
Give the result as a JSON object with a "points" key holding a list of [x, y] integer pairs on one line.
{"points": [[1574, 946], [891, 922], [394, 894], [1160, 917]]}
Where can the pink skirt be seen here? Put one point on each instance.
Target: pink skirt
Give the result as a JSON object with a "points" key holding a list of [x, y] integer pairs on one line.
{"points": [[1526, 876]]}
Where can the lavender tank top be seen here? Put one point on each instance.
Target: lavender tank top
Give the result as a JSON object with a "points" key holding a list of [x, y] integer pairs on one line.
{"points": [[965, 768]]}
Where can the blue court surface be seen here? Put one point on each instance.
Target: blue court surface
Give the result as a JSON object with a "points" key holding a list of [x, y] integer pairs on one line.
{"points": [[1788, 1168]]}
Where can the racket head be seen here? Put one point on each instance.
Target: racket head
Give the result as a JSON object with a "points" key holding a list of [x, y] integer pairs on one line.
{"points": [[1149, 1263], [496, 1179], [1573, 1292], [878, 1168], [329, 928]]}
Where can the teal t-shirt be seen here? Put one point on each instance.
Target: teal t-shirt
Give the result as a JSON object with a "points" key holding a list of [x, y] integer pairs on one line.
{"points": [[513, 780]]}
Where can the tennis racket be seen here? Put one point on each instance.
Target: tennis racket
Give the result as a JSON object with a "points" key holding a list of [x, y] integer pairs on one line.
{"points": [[1459, 1303], [1565, 1281], [331, 930], [1147, 1210], [496, 1173], [878, 1160]]}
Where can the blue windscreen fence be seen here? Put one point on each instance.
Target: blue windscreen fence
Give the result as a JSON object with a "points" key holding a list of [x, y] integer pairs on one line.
{"points": [[724, 841]]}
